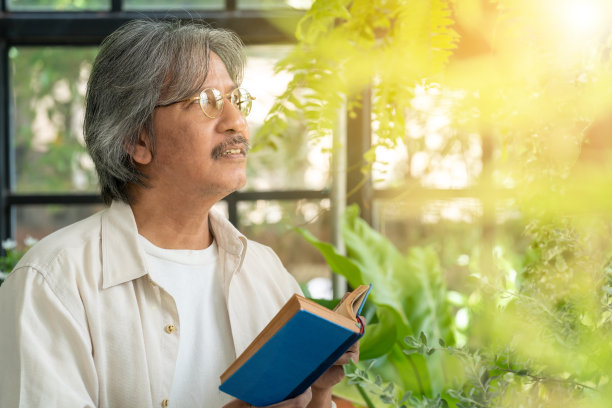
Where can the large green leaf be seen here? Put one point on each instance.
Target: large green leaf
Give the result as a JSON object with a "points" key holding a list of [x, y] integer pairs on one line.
{"points": [[380, 336], [338, 263], [410, 296], [413, 285], [379, 262], [367, 270], [428, 310]]}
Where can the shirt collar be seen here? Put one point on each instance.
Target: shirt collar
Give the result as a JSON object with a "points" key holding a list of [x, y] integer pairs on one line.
{"points": [[123, 258], [227, 236]]}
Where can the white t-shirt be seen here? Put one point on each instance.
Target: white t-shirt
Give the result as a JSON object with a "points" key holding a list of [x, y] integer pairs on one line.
{"points": [[192, 278]]}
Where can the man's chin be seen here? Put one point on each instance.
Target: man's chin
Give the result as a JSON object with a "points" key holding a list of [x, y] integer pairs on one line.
{"points": [[239, 184], [224, 191]]}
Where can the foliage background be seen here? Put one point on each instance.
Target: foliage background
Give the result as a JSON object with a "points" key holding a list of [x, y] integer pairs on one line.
{"points": [[509, 103], [492, 124]]}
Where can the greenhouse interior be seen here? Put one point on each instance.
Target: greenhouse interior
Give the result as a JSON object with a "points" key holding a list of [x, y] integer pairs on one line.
{"points": [[454, 154]]}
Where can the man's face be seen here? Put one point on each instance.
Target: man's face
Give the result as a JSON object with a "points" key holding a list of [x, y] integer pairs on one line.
{"points": [[197, 156]]}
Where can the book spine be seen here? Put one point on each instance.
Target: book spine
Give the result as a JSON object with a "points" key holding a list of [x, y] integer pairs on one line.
{"points": [[327, 363]]}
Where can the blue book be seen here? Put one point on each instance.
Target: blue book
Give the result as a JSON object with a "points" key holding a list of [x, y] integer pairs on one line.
{"points": [[299, 344]]}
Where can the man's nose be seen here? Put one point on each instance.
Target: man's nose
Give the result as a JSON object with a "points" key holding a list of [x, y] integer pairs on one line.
{"points": [[232, 120]]}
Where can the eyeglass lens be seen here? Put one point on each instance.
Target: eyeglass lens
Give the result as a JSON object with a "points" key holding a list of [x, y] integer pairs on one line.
{"points": [[211, 101]]}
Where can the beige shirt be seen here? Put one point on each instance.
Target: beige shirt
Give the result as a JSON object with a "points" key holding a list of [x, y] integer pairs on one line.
{"points": [[83, 325]]}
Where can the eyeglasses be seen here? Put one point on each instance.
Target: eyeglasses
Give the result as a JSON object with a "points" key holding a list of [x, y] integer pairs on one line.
{"points": [[211, 101]]}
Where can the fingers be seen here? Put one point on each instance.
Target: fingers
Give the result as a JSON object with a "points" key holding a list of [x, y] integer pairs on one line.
{"points": [[335, 373], [301, 401], [351, 354], [237, 404], [348, 356]]}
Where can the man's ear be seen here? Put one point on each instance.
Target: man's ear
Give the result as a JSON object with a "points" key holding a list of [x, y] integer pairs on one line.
{"points": [[142, 151]]}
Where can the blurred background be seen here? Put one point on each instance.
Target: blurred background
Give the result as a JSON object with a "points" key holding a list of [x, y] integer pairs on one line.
{"points": [[473, 137]]}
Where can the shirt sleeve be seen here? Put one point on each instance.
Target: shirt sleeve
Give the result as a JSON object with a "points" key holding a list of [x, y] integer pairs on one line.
{"points": [[45, 353]]}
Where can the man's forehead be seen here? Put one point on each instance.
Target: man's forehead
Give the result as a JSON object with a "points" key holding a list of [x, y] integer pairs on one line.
{"points": [[218, 75]]}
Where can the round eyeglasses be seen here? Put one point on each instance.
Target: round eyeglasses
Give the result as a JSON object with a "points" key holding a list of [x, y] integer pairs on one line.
{"points": [[211, 101]]}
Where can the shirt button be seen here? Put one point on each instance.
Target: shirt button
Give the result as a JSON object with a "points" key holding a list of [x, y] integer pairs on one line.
{"points": [[164, 402], [170, 328]]}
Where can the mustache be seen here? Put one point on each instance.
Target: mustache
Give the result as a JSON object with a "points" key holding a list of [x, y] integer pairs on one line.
{"points": [[232, 141]]}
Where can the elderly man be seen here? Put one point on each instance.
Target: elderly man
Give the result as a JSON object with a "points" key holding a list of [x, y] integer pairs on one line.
{"points": [[146, 303]]}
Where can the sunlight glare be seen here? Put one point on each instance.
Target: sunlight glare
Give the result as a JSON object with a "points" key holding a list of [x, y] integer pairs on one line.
{"points": [[584, 18], [300, 4]]}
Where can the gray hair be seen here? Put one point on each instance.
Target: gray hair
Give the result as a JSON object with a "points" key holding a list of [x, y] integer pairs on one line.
{"points": [[142, 64]]}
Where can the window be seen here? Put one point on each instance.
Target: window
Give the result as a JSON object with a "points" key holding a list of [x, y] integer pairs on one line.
{"points": [[48, 87]]}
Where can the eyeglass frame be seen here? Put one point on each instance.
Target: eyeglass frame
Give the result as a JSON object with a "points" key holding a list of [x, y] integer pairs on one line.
{"points": [[223, 97]]}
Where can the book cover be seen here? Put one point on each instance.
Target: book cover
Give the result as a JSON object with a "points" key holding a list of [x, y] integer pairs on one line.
{"points": [[301, 342]]}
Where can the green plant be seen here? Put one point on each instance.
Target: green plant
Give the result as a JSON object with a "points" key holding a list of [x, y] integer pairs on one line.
{"points": [[12, 255], [409, 295], [542, 340], [387, 393], [529, 90], [346, 46]]}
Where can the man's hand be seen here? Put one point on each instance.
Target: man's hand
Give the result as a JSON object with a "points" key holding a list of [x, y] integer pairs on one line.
{"points": [[301, 401], [322, 388], [320, 394], [335, 373]]}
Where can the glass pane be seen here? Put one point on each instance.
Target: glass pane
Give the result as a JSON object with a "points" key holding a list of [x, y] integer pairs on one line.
{"points": [[38, 221], [57, 5], [271, 4], [271, 223], [303, 163], [432, 150], [174, 5], [48, 87]]}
